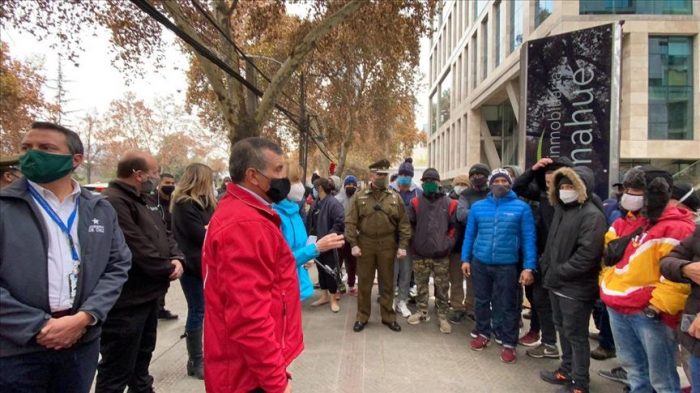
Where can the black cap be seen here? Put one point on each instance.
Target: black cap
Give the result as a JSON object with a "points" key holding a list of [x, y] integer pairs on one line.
{"points": [[685, 190], [430, 174], [479, 168]]}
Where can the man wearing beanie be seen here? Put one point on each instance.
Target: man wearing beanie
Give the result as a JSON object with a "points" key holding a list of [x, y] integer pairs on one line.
{"points": [[403, 267], [458, 302], [478, 177], [684, 196], [432, 217], [345, 198], [533, 185], [570, 265], [499, 228], [644, 307]]}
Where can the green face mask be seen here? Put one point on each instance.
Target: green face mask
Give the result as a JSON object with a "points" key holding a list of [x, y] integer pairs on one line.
{"points": [[42, 167], [380, 183], [430, 187]]}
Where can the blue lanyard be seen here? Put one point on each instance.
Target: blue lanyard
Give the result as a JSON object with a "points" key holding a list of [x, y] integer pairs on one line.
{"points": [[55, 217]]}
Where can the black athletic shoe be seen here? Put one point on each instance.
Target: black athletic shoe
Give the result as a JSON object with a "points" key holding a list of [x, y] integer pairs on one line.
{"points": [[167, 315]]}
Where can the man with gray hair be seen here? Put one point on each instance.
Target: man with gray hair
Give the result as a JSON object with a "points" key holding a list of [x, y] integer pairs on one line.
{"points": [[253, 314]]}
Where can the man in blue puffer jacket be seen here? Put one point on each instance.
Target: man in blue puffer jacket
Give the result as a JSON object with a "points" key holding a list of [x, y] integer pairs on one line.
{"points": [[498, 228]]}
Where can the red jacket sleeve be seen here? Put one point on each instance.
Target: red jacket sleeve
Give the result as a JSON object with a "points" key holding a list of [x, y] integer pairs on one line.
{"points": [[247, 266]]}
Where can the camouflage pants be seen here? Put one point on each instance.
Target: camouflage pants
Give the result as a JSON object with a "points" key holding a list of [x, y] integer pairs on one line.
{"points": [[440, 268]]}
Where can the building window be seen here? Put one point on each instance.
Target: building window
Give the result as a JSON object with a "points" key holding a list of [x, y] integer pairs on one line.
{"points": [[445, 98], [444, 10], [642, 7], [516, 24], [433, 112], [543, 9], [497, 40], [474, 62], [670, 88], [484, 49], [479, 6]]}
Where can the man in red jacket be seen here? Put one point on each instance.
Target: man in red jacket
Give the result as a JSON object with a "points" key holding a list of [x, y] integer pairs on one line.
{"points": [[253, 314]]}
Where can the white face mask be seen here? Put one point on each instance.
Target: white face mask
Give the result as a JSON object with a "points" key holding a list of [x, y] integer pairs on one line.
{"points": [[296, 192], [459, 189], [632, 203], [568, 196]]}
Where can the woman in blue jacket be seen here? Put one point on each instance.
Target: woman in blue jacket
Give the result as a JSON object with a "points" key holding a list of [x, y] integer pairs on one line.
{"points": [[498, 228], [294, 232]]}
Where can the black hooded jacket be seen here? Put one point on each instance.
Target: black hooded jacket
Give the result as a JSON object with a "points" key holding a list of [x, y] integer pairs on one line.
{"points": [[571, 261], [531, 185]]}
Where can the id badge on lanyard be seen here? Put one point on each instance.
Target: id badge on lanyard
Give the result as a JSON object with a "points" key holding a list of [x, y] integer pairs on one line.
{"points": [[65, 228]]}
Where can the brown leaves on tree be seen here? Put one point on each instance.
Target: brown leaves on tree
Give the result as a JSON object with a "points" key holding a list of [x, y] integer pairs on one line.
{"points": [[21, 99]]}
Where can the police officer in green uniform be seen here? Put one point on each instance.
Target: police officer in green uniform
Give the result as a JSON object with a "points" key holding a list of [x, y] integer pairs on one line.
{"points": [[9, 170], [378, 230]]}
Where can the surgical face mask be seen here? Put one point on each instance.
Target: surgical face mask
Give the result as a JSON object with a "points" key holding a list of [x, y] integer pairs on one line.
{"points": [[315, 193], [632, 203], [296, 192], [42, 167], [500, 190], [380, 183], [404, 181], [350, 191], [460, 189], [568, 196]]}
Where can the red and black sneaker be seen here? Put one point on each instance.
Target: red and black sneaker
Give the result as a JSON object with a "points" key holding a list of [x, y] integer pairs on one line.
{"points": [[557, 377], [508, 355], [479, 343]]}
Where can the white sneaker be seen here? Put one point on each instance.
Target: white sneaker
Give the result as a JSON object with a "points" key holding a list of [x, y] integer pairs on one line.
{"points": [[413, 292], [402, 309]]}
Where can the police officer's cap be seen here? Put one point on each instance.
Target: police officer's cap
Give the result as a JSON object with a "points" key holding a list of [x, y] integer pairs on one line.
{"points": [[9, 162], [381, 167]]}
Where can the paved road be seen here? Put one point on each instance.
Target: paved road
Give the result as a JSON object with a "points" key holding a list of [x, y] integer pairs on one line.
{"points": [[420, 359]]}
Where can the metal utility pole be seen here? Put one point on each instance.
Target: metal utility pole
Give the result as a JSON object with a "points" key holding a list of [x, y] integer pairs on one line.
{"points": [[303, 125], [252, 98]]}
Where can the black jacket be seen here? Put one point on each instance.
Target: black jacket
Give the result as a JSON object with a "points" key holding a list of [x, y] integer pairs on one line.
{"points": [[686, 252], [467, 198], [460, 227], [571, 261], [152, 246], [531, 185], [433, 226], [24, 280], [326, 216], [189, 220]]}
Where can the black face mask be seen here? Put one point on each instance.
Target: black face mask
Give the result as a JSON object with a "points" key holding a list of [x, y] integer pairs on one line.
{"points": [[350, 191], [167, 190], [279, 188]]}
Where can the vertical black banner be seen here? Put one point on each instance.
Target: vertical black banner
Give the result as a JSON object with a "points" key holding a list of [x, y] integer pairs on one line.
{"points": [[569, 100]]}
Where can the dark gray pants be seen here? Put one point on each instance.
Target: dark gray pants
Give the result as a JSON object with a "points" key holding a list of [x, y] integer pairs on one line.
{"points": [[571, 318]]}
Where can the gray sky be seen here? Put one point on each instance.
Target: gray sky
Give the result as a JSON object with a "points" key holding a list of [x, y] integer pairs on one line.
{"points": [[94, 83]]}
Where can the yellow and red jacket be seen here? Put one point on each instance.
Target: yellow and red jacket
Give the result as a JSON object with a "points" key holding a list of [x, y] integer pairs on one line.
{"points": [[636, 281]]}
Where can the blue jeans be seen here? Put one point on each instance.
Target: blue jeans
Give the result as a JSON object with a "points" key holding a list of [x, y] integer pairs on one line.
{"points": [[65, 370], [602, 322], [695, 373], [193, 287], [645, 348], [501, 280]]}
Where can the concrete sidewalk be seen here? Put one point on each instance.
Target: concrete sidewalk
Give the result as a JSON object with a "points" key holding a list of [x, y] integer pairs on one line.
{"points": [[420, 359]]}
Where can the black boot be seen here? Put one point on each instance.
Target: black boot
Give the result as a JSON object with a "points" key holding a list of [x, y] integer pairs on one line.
{"points": [[195, 364]]}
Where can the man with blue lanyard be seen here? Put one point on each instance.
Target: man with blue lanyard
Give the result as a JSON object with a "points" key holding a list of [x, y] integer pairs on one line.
{"points": [[63, 262]]}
